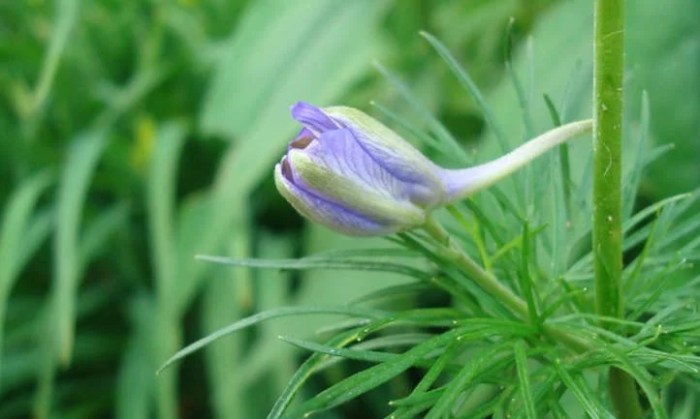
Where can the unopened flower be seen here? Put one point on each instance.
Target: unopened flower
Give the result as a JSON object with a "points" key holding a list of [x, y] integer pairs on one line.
{"points": [[349, 172]]}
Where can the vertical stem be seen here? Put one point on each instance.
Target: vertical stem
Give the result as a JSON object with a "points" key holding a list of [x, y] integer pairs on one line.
{"points": [[607, 167], [607, 159]]}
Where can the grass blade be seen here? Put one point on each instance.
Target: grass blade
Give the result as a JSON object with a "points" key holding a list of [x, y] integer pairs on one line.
{"points": [[466, 81], [66, 16], [260, 317], [81, 163], [355, 354], [631, 183], [160, 202], [313, 262], [15, 248], [441, 133]]}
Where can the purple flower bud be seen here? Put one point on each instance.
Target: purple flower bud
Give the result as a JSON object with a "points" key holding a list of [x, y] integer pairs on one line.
{"points": [[349, 172]]}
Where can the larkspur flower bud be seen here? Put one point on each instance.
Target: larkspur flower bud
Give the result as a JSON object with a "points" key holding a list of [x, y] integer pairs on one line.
{"points": [[347, 171]]}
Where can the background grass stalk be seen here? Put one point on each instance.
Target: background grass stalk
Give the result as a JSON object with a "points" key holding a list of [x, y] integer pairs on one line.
{"points": [[608, 94]]}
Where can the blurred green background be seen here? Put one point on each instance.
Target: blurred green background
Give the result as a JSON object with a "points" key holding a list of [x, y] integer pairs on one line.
{"points": [[136, 134]]}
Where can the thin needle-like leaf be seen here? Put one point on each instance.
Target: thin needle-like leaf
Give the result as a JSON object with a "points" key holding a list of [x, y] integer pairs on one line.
{"points": [[466, 81], [260, 317], [524, 380]]}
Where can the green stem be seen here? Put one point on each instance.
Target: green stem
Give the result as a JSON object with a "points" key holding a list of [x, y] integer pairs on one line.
{"points": [[489, 283], [485, 280], [607, 159], [607, 168]]}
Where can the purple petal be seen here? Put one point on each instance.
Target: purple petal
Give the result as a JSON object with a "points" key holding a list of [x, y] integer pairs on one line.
{"points": [[339, 151], [330, 214], [394, 161], [313, 118]]}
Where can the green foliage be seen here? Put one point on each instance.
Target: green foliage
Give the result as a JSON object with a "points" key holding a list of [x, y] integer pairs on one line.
{"points": [[137, 135], [530, 364]]}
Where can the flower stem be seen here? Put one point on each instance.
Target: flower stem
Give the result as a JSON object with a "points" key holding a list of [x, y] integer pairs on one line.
{"points": [[485, 280], [607, 167], [462, 182], [489, 283]]}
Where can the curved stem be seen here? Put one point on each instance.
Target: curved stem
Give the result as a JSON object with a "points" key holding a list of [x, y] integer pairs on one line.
{"points": [[489, 283], [484, 279], [462, 182]]}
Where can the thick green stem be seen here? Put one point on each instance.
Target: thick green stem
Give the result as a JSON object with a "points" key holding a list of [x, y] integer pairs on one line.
{"points": [[607, 168], [607, 159]]}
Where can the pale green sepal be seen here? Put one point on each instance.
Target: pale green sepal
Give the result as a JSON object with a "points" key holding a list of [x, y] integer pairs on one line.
{"points": [[350, 194]]}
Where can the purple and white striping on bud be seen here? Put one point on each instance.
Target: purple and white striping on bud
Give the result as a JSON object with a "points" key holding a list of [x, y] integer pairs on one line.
{"points": [[348, 172]]}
